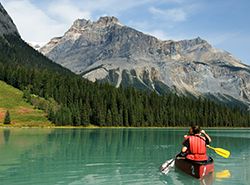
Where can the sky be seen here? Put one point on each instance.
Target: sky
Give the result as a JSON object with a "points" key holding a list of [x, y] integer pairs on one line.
{"points": [[225, 24]]}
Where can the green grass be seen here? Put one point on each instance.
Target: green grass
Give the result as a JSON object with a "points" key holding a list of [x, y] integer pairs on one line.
{"points": [[21, 112]]}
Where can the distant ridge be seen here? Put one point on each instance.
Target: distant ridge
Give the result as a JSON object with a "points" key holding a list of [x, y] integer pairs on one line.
{"points": [[108, 51]]}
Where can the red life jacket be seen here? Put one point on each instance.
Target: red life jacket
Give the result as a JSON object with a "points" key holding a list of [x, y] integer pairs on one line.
{"points": [[197, 148]]}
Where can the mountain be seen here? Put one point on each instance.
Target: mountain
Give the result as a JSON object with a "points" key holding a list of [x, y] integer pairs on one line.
{"points": [[36, 46], [6, 24], [69, 99], [22, 67], [106, 50], [16, 51]]}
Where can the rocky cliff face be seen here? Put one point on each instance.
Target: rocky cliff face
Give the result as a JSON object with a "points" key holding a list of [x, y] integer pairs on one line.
{"points": [[106, 50], [6, 24]]}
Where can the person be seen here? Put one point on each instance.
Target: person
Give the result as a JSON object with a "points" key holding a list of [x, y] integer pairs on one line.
{"points": [[194, 144]]}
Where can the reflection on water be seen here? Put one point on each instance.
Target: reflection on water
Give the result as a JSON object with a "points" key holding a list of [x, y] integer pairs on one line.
{"points": [[225, 174], [181, 178], [6, 135], [207, 180], [111, 156]]}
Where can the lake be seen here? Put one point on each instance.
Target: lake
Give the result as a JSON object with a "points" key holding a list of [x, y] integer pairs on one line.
{"points": [[113, 156]]}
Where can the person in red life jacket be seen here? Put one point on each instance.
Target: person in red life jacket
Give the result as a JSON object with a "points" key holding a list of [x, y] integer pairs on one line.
{"points": [[194, 145]]}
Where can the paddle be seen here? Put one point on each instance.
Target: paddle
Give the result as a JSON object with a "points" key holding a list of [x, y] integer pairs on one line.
{"points": [[220, 151], [165, 167], [223, 174]]}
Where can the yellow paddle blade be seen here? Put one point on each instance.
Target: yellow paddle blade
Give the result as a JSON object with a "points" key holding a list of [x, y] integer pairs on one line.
{"points": [[220, 151], [223, 174]]}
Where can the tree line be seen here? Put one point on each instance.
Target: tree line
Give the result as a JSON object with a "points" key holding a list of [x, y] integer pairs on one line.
{"points": [[72, 100]]}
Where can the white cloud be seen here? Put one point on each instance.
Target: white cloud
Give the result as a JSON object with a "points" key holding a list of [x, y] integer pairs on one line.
{"points": [[174, 14], [38, 25], [32, 23], [114, 6], [163, 35], [67, 11], [159, 34], [179, 13], [221, 38], [151, 29]]}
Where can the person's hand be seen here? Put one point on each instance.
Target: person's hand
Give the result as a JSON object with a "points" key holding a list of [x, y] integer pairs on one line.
{"points": [[203, 132]]}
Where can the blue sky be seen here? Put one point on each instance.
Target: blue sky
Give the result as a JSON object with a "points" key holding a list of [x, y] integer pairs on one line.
{"points": [[223, 23]]}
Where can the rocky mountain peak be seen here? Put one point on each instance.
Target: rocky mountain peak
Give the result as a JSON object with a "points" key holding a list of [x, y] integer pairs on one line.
{"points": [[194, 42], [83, 27], [107, 20], [107, 51], [198, 40], [6, 24], [79, 23]]}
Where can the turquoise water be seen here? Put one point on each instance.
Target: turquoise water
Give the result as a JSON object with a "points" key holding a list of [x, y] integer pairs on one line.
{"points": [[113, 156]]}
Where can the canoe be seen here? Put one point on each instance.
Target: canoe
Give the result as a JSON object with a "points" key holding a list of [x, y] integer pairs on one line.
{"points": [[195, 169]]}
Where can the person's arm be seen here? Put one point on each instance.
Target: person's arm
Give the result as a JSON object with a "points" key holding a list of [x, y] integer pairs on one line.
{"points": [[183, 152], [208, 139], [185, 147]]}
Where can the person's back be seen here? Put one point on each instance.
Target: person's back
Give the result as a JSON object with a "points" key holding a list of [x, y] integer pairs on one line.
{"points": [[197, 148], [195, 144]]}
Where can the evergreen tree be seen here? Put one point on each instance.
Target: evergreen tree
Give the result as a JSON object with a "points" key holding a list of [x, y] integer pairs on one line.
{"points": [[108, 119], [27, 95], [51, 115], [7, 119]]}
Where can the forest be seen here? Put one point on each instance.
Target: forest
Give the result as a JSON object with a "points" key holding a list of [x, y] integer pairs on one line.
{"points": [[72, 100]]}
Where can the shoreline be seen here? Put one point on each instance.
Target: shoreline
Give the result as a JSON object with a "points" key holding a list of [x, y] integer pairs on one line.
{"points": [[112, 127]]}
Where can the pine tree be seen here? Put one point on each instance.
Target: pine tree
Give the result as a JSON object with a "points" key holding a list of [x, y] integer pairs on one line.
{"points": [[125, 117], [51, 115], [27, 95], [108, 119], [7, 119]]}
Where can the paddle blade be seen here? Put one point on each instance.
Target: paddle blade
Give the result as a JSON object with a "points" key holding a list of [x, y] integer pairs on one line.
{"points": [[165, 167], [220, 151]]}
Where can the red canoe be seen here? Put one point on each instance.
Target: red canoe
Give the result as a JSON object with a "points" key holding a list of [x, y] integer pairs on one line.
{"points": [[195, 169]]}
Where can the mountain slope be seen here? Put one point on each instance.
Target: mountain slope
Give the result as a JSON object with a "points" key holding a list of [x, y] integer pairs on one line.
{"points": [[108, 51], [13, 49], [6, 24], [21, 112]]}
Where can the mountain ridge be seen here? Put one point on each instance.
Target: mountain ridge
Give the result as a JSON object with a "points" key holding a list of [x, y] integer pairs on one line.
{"points": [[7, 25], [108, 51]]}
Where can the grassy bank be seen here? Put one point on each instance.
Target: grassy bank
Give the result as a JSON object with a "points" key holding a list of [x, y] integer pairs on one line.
{"points": [[21, 112]]}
